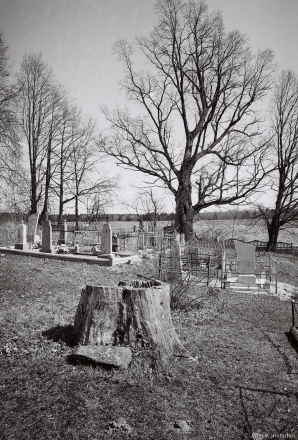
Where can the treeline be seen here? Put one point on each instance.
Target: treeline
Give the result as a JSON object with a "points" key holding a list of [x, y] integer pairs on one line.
{"points": [[125, 217], [49, 149], [230, 214]]}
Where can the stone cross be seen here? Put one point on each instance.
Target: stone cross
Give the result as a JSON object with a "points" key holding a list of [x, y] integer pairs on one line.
{"points": [[22, 237], [46, 242], [106, 239]]}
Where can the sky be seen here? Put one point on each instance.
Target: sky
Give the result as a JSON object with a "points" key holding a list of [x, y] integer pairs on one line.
{"points": [[75, 38]]}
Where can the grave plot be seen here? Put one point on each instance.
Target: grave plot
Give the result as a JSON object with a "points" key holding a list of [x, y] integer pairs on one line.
{"points": [[243, 269], [188, 267]]}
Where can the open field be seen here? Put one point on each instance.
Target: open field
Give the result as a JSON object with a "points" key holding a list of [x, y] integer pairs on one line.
{"points": [[246, 230], [245, 380]]}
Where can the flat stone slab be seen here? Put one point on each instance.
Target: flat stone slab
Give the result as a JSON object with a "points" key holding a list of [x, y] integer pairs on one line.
{"points": [[68, 257], [119, 357]]}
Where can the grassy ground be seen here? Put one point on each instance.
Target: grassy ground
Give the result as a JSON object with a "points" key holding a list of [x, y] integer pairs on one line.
{"points": [[245, 381]]}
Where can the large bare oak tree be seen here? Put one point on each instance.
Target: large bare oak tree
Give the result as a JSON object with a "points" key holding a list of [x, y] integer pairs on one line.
{"points": [[284, 135], [196, 126]]}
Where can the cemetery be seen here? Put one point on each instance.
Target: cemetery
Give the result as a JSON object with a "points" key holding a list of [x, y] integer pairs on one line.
{"points": [[33, 245], [187, 333], [231, 264]]}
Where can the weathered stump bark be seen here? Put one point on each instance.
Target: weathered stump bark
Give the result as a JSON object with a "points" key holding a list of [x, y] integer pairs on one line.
{"points": [[137, 312]]}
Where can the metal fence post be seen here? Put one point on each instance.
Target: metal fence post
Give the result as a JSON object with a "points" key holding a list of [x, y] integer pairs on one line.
{"points": [[293, 313], [269, 267], [208, 272], [275, 278], [160, 266]]}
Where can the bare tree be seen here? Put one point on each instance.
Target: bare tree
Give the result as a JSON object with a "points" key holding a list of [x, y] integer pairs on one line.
{"points": [[9, 146], [35, 114], [69, 134], [284, 181], [147, 205], [197, 124], [84, 174], [55, 120]]}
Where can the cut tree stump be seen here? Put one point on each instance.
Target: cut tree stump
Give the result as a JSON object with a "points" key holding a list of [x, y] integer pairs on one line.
{"points": [[134, 313]]}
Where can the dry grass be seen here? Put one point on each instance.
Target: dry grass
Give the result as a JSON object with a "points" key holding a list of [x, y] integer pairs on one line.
{"points": [[245, 379]]}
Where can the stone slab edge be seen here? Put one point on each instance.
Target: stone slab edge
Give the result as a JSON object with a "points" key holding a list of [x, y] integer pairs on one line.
{"points": [[115, 356], [65, 257]]}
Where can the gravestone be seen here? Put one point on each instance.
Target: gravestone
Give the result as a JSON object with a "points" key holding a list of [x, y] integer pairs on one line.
{"points": [[32, 226], [246, 262], [192, 251], [22, 237], [46, 242], [106, 239], [115, 243], [174, 266], [63, 233]]}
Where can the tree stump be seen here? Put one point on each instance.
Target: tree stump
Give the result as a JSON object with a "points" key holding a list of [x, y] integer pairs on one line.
{"points": [[137, 312]]}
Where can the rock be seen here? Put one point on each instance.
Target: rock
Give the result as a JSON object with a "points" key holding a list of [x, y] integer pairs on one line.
{"points": [[120, 425], [184, 426], [107, 355]]}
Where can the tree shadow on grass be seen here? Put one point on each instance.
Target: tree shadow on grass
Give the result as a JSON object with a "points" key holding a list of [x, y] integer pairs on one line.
{"points": [[292, 341], [61, 333]]}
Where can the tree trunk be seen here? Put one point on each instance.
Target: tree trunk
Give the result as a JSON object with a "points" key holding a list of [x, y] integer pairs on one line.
{"points": [[184, 210], [61, 204], [273, 231], [77, 212], [33, 193], [136, 313]]}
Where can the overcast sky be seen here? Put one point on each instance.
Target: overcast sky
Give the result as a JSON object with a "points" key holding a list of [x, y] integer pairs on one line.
{"points": [[75, 38]]}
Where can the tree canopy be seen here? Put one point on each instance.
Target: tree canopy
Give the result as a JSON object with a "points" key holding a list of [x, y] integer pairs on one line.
{"points": [[196, 124]]}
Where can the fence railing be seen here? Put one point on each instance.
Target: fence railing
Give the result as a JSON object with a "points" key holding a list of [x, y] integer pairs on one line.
{"points": [[281, 247], [264, 267]]}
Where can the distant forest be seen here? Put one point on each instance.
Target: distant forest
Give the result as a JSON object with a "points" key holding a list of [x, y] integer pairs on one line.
{"points": [[148, 217]]}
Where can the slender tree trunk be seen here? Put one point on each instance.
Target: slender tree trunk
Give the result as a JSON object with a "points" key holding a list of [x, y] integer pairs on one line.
{"points": [[61, 195], [33, 192], [48, 174], [61, 207], [184, 210], [77, 211], [33, 186]]}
